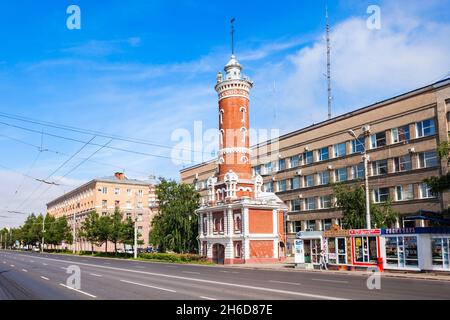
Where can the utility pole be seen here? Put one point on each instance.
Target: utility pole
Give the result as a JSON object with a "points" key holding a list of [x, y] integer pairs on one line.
{"points": [[328, 64], [73, 234], [43, 231]]}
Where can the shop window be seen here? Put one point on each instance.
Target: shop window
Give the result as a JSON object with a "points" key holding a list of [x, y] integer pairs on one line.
{"points": [[440, 252], [337, 250], [401, 251], [378, 140], [365, 249], [312, 248]]}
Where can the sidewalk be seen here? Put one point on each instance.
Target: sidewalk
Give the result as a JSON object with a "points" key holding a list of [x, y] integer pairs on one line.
{"points": [[290, 267]]}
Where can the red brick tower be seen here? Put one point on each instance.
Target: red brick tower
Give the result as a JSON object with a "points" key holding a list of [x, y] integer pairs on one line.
{"points": [[239, 222]]}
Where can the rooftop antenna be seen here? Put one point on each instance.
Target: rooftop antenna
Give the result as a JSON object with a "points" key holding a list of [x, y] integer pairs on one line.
{"points": [[328, 62], [232, 35]]}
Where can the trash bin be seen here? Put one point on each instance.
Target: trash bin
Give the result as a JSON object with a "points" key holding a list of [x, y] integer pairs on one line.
{"points": [[380, 264]]}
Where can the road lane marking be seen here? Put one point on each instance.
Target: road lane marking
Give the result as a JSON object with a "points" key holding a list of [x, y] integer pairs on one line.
{"points": [[148, 286], [225, 271], [316, 296], [96, 275], [191, 272], [45, 278], [32, 261], [24, 270], [12, 265], [45, 264], [285, 282], [328, 280], [207, 298], [88, 294]]}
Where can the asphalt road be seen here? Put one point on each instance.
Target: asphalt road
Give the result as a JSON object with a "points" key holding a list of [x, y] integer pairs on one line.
{"points": [[35, 276]]}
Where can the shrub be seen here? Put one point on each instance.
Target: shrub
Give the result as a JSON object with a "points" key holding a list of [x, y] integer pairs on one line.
{"points": [[172, 257]]}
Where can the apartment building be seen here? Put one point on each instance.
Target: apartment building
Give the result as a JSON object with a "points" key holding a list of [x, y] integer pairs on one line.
{"points": [[136, 199], [400, 136]]}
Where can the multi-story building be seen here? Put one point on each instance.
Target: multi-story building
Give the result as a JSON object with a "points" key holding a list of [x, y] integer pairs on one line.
{"points": [[400, 136], [135, 199]]}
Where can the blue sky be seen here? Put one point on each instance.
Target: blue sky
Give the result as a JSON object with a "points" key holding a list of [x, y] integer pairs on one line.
{"points": [[145, 69]]}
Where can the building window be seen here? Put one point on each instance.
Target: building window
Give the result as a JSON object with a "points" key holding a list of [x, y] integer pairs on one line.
{"points": [[358, 145], [339, 150], [324, 177], [128, 204], [311, 225], [268, 186], [140, 193], [205, 224], [400, 134], [295, 183], [379, 167], [297, 226], [308, 156], [403, 193], [218, 223], [281, 164], [358, 171], [310, 203], [129, 192], [401, 251], [378, 140], [295, 205], [104, 204], [238, 249], [295, 161], [428, 159], [105, 190], [140, 205], [205, 248], [268, 168], [309, 180], [323, 154], [425, 191], [325, 202], [117, 204], [425, 128], [326, 224], [337, 250], [237, 223], [104, 214], [117, 191], [340, 174], [140, 217], [402, 163], [380, 195], [281, 185], [256, 170]]}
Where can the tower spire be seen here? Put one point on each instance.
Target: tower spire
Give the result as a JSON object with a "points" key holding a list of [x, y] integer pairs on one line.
{"points": [[232, 35]]}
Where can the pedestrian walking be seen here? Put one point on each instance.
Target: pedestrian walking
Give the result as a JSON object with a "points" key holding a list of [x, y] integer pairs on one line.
{"points": [[323, 261]]}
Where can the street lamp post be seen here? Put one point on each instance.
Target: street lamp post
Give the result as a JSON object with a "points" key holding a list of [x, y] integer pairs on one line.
{"points": [[135, 238], [366, 178]]}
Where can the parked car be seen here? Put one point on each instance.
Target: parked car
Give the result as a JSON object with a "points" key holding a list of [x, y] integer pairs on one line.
{"points": [[129, 251], [36, 249]]}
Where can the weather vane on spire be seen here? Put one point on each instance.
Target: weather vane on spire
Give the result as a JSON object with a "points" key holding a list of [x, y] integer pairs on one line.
{"points": [[232, 35]]}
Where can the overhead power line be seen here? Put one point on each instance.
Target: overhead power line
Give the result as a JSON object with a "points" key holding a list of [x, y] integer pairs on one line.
{"points": [[93, 132]]}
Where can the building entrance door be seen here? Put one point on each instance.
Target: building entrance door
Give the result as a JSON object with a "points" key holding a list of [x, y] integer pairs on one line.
{"points": [[218, 253]]}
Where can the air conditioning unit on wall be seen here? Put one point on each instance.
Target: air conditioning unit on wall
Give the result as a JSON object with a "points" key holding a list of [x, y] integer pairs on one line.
{"points": [[366, 128]]}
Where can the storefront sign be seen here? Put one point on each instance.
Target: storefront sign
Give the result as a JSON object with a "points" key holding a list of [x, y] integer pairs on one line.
{"points": [[398, 231], [365, 232], [421, 230], [299, 253], [309, 234]]}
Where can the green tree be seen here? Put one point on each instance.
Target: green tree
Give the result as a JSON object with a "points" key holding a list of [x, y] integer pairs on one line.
{"points": [[352, 201], [442, 183], [116, 227], [104, 231], [89, 229], [175, 227], [127, 232]]}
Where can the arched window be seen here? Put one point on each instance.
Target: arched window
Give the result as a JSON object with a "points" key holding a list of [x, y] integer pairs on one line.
{"points": [[237, 223], [244, 159], [243, 110], [221, 112], [222, 133], [243, 131], [238, 249]]}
